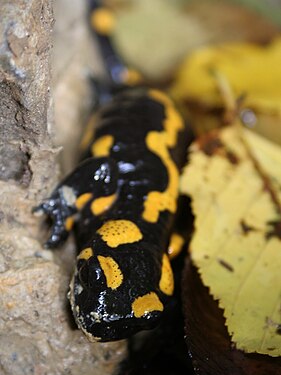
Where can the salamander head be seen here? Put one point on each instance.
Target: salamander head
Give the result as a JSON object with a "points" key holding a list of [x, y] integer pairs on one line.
{"points": [[110, 303]]}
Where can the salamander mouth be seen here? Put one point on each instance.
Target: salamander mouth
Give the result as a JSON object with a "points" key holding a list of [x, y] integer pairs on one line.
{"points": [[116, 330]]}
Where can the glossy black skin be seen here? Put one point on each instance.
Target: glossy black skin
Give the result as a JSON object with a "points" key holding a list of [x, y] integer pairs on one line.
{"points": [[131, 171]]}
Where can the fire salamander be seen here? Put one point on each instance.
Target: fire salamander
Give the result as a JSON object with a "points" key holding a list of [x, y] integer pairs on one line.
{"points": [[121, 202]]}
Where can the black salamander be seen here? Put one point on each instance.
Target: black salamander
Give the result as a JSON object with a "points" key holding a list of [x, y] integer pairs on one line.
{"points": [[121, 203]]}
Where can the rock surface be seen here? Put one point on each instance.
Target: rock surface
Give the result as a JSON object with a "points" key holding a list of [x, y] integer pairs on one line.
{"points": [[75, 59], [37, 333]]}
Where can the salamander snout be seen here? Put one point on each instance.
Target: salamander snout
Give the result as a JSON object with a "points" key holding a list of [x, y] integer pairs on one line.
{"points": [[106, 306]]}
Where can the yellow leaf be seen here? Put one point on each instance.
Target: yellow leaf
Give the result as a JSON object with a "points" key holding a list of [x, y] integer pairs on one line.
{"points": [[251, 70], [234, 180]]}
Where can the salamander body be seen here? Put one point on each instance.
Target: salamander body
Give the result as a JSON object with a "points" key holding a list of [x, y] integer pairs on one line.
{"points": [[121, 203]]}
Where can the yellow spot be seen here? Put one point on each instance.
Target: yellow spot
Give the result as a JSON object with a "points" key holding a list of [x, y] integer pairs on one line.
{"points": [[102, 204], [175, 246], [173, 122], [89, 133], [166, 283], [102, 146], [167, 200], [159, 143], [112, 272], [145, 304], [82, 200], [131, 77], [69, 222], [86, 253], [103, 21], [118, 232]]}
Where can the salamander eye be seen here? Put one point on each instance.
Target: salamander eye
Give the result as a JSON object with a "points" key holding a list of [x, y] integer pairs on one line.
{"points": [[89, 275], [83, 276]]}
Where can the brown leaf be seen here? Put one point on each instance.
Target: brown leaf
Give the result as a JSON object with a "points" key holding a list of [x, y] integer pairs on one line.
{"points": [[207, 339]]}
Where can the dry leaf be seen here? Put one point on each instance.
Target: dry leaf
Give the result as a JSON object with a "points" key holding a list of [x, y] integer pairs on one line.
{"points": [[234, 180], [207, 339]]}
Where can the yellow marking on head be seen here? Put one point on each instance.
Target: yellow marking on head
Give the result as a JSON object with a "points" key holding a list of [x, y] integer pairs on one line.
{"points": [[103, 21], [86, 253], [166, 283], [159, 201], [145, 304], [112, 272], [102, 146], [82, 200], [89, 133], [102, 204], [175, 245], [132, 77], [69, 222], [118, 232]]}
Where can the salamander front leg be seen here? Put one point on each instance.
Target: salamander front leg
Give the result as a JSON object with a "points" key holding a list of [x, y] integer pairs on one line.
{"points": [[93, 178]]}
